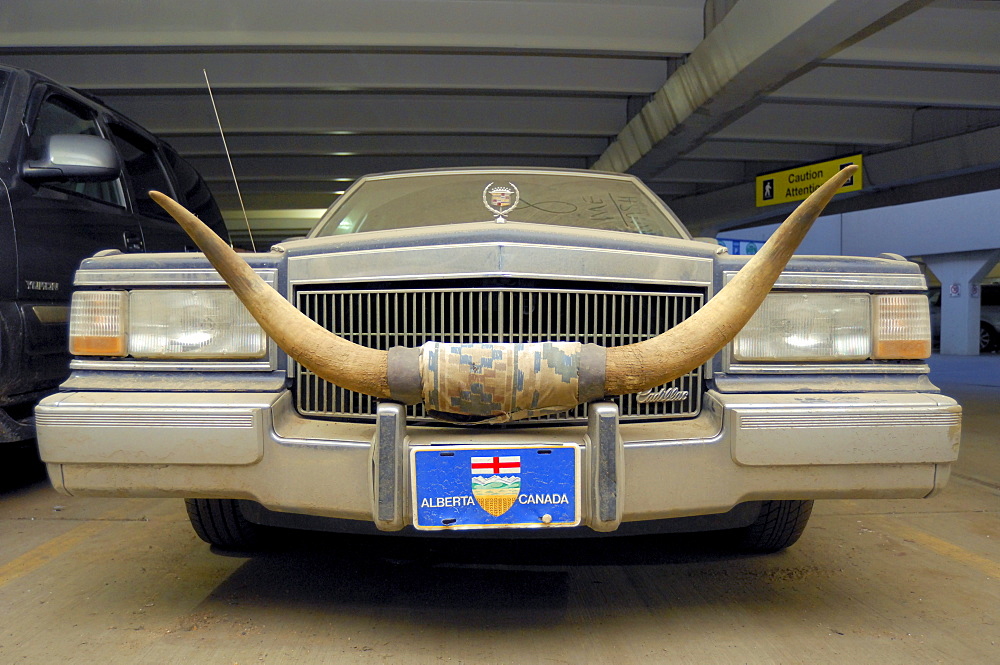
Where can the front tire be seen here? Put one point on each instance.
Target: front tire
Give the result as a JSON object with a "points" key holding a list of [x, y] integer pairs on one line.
{"points": [[779, 525], [221, 523]]}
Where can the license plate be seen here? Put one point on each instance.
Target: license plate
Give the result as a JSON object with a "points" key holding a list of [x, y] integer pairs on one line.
{"points": [[458, 487]]}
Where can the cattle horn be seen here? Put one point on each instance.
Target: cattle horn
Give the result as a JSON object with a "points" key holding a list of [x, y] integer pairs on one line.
{"points": [[684, 347], [628, 369], [328, 355]]}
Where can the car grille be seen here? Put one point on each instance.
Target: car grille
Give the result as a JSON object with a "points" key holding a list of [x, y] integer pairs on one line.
{"points": [[471, 311]]}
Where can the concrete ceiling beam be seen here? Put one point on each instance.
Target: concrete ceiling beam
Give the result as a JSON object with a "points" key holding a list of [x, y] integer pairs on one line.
{"points": [[756, 47]]}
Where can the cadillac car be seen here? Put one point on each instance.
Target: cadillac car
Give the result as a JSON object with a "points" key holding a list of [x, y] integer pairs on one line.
{"points": [[511, 352]]}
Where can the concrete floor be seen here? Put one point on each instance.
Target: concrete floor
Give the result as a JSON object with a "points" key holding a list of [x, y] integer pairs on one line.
{"points": [[126, 581]]}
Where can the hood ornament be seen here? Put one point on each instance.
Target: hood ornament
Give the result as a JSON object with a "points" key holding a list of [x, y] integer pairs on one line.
{"points": [[500, 200]]}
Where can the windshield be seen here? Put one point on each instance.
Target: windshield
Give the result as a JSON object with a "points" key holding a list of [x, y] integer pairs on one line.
{"points": [[596, 201]]}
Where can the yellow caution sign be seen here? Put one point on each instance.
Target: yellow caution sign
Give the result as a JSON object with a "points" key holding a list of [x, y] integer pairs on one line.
{"points": [[798, 183]]}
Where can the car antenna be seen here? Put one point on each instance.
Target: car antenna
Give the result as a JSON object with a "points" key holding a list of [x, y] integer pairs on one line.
{"points": [[225, 146]]}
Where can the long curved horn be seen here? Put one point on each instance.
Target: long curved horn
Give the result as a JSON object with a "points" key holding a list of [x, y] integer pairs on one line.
{"points": [[688, 345], [684, 347], [328, 355], [628, 369]]}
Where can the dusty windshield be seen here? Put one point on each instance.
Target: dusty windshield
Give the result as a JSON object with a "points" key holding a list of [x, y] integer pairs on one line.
{"points": [[594, 202]]}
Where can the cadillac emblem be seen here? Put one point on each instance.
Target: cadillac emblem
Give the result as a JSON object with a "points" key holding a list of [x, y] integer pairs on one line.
{"points": [[501, 199], [496, 482]]}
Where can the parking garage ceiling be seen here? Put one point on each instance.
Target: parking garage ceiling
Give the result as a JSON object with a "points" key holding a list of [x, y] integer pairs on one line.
{"points": [[696, 98]]}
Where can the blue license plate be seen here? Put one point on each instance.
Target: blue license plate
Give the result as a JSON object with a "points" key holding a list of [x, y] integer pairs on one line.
{"points": [[458, 487]]}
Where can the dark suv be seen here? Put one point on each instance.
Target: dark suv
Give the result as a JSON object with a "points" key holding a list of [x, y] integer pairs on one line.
{"points": [[73, 178]]}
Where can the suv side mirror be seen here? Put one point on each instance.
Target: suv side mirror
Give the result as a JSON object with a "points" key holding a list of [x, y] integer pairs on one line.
{"points": [[78, 157]]}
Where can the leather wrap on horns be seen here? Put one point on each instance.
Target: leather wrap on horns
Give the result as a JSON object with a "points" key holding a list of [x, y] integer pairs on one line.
{"points": [[627, 369]]}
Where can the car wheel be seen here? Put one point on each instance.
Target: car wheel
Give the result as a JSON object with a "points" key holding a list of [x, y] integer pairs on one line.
{"points": [[221, 523], [988, 338], [778, 526]]}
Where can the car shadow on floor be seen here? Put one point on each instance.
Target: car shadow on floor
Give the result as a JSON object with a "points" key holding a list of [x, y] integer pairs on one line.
{"points": [[482, 582]]}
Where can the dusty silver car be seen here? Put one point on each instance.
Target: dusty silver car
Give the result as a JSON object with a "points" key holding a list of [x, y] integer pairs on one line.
{"points": [[509, 351]]}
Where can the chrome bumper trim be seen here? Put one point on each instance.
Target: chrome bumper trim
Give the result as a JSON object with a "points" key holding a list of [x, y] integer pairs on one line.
{"points": [[133, 419], [814, 420]]}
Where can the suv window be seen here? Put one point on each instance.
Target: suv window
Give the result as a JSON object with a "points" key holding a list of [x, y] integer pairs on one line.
{"points": [[145, 172], [990, 295], [58, 115], [193, 189]]}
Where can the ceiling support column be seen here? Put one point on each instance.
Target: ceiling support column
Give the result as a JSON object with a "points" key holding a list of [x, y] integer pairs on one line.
{"points": [[960, 274]]}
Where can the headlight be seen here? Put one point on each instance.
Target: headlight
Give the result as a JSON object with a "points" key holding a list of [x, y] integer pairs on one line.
{"points": [[811, 327], [807, 326], [164, 324]]}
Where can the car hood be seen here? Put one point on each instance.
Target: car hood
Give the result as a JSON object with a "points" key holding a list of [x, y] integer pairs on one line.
{"points": [[510, 249]]}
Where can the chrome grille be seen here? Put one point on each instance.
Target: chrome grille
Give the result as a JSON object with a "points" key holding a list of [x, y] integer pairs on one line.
{"points": [[471, 311]]}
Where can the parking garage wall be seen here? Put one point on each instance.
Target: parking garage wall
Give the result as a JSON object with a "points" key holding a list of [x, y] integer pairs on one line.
{"points": [[969, 222]]}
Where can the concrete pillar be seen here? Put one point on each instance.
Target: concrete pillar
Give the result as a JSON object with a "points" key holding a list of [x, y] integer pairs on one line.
{"points": [[960, 274]]}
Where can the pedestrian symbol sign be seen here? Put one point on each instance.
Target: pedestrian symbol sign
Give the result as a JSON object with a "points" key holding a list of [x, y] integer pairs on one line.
{"points": [[767, 189]]}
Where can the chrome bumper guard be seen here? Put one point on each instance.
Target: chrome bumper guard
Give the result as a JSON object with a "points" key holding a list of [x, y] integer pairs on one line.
{"points": [[389, 461], [605, 452]]}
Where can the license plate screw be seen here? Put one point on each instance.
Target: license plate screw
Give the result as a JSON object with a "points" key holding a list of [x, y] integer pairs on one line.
{"points": [[547, 519]]}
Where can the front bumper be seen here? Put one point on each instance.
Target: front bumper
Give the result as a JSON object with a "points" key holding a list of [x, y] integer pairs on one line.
{"points": [[741, 448]]}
